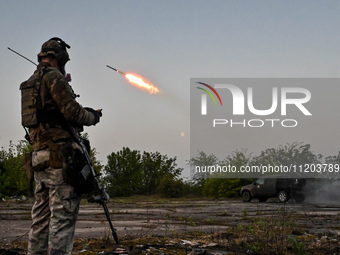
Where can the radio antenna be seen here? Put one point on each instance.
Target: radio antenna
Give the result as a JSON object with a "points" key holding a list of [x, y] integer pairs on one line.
{"points": [[21, 56]]}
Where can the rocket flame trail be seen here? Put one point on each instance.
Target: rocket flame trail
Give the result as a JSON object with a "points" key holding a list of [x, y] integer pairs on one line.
{"points": [[138, 81]]}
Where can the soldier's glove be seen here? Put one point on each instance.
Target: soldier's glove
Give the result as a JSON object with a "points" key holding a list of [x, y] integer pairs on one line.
{"points": [[96, 113]]}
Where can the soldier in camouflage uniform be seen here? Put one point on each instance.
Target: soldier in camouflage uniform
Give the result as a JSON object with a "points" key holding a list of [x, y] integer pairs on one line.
{"points": [[56, 206]]}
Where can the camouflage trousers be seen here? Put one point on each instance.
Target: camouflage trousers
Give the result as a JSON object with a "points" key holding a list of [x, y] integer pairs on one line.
{"points": [[54, 214]]}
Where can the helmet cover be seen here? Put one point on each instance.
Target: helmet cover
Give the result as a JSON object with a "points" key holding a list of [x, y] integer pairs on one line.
{"points": [[57, 48]]}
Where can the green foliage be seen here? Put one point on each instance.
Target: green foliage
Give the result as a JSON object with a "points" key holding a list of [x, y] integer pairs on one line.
{"points": [[128, 172], [124, 173], [13, 179], [217, 185], [155, 168], [199, 178], [295, 153], [170, 188], [298, 246], [223, 187]]}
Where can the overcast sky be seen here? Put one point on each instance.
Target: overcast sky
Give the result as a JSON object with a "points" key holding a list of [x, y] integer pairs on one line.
{"points": [[168, 42]]}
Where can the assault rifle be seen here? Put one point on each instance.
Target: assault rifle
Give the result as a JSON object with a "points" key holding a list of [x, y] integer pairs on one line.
{"points": [[89, 172]]}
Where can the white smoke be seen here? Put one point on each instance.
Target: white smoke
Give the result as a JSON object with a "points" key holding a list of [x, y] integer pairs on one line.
{"points": [[322, 191]]}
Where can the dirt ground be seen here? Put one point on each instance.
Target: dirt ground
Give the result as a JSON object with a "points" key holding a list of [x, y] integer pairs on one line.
{"points": [[181, 226]]}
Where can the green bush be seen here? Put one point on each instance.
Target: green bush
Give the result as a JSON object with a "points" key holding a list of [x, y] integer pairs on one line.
{"points": [[170, 188]]}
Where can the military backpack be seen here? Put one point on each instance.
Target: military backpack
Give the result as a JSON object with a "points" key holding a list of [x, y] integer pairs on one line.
{"points": [[30, 99]]}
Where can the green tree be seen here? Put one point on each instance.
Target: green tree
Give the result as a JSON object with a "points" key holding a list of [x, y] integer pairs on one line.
{"points": [[225, 185], [295, 154], [155, 167], [128, 172], [13, 179], [199, 177], [335, 159], [124, 173], [170, 187]]}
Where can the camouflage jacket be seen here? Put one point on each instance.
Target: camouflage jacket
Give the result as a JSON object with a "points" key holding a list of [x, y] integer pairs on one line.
{"points": [[58, 107]]}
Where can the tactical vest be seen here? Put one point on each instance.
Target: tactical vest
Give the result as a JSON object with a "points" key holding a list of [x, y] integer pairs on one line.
{"points": [[30, 99]]}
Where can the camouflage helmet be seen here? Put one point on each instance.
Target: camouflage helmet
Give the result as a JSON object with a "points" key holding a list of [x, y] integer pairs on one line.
{"points": [[56, 47]]}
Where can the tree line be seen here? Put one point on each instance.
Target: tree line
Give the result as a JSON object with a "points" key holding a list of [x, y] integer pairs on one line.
{"points": [[131, 172], [127, 172]]}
